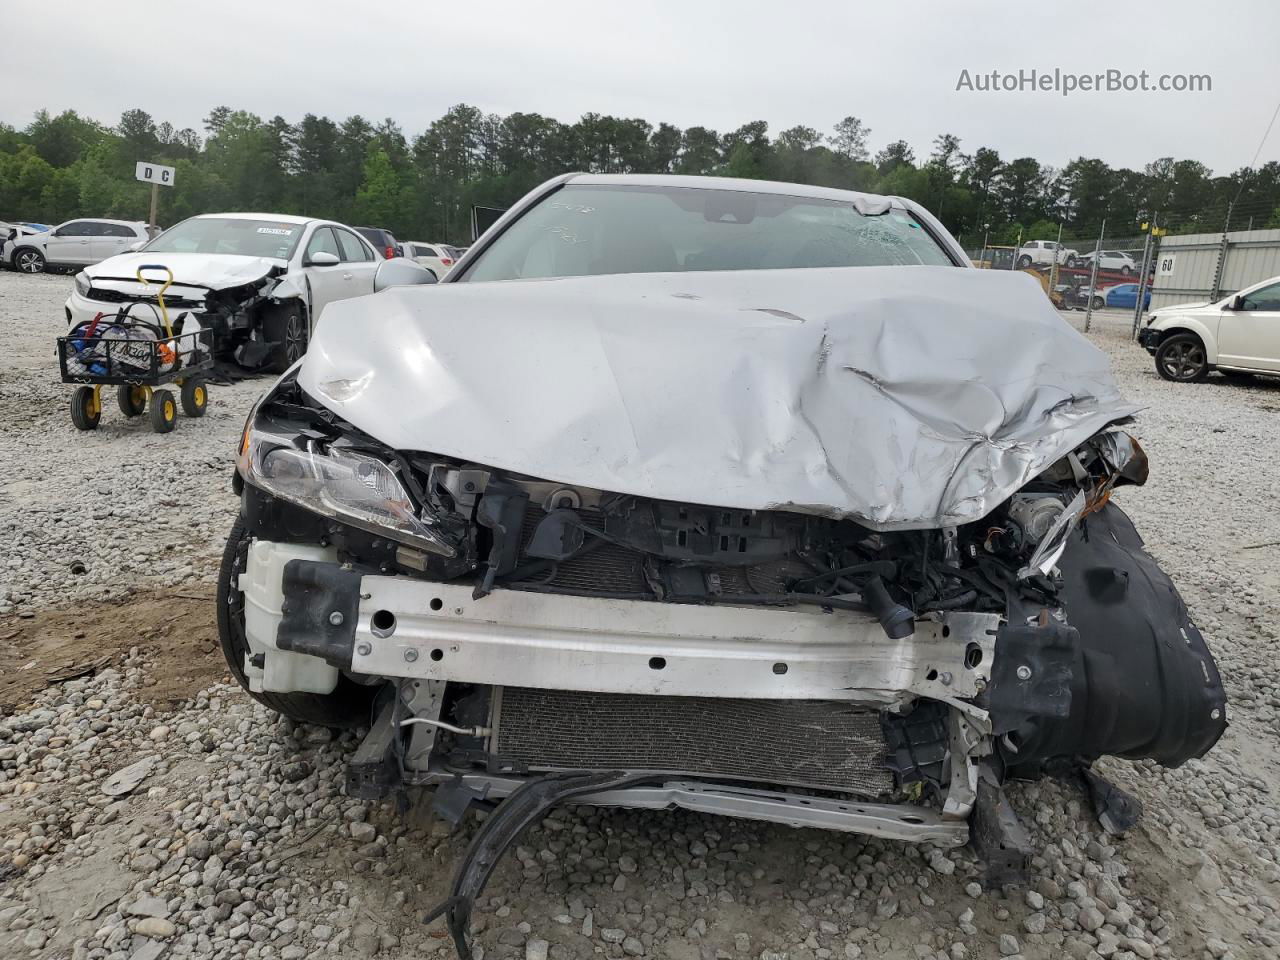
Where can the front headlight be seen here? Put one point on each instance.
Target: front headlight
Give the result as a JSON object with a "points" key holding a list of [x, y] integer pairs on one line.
{"points": [[82, 283], [352, 487]]}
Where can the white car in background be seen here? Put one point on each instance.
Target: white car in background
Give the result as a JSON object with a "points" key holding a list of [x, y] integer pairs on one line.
{"points": [[258, 280], [1116, 260], [1042, 253], [436, 257], [75, 243], [1238, 335]]}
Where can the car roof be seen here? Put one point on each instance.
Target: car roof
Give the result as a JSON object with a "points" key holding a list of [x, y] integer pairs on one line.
{"points": [[277, 217], [722, 183], [126, 223]]}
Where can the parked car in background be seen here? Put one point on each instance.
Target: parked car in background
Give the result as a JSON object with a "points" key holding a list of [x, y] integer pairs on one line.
{"points": [[1042, 253], [1238, 335], [436, 257], [75, 243], [1110, 260], [1125, 296], [20, 228], [383, 241], [715, 520], [259, 280]]}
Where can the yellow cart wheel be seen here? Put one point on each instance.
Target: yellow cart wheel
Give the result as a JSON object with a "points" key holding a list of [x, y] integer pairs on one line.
{"points": [[86, 408], [195, 398], [164, 411], [132, 399]]}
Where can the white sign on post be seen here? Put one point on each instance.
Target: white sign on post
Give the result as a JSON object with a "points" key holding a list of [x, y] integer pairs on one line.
{"points": [[1165, 265], [154, 173]]}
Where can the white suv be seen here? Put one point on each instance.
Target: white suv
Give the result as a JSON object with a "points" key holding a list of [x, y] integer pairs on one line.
{"points": [[1238, 335], [436, 257], [76, 243], [1042, 253]]}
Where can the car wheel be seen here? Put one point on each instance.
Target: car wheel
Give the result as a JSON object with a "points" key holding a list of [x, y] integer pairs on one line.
{"points": [[28, 260], [350, 702], [1181, 358], [1073, 262], [1126, 269], [1024, 261], [1099, 303], [286, 328]]}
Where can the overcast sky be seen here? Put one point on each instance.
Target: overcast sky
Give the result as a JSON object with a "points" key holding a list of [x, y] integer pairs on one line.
{"points": [[895, 65]]}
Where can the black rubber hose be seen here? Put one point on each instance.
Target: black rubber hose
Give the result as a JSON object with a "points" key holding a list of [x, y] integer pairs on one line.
{"points": [[898, 622]]}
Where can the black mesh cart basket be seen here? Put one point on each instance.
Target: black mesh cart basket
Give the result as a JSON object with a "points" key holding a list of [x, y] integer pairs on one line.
{"points": [[140, 362]]}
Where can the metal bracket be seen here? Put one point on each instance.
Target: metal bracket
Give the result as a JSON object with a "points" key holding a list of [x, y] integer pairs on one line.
{"points": [[966, 742], [998, 837], [373, 771], [423, 698]]}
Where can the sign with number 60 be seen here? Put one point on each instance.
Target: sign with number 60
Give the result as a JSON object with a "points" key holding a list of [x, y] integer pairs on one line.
{"points": [[155, 173]]}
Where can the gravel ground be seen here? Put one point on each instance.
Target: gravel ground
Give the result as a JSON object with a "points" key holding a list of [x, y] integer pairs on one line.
{"points": [[239, 843]]}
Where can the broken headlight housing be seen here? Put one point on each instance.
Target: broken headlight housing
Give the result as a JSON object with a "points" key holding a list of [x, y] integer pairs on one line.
{"points": [[334, 481]]}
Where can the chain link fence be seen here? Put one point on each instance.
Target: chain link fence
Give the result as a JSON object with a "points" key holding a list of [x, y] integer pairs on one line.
{"points": [[1081, 276]]}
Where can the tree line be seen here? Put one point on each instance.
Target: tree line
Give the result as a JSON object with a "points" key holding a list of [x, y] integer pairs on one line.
{"points": [[422, 187]]}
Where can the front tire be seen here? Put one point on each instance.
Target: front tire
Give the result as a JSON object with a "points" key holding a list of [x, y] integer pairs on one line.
{"points": [[1099, 303], [286, 328], [1125, 269], [1073, 262], [1182, 359], [86, 410], [29, 260], [347, 706], [131, 400], [164, 411], [195, 398], [1024, 261]]}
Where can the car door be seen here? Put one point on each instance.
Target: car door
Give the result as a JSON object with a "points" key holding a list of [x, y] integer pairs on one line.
{"points": [[114, 238], [325, 281], [1249, 334], [70, 244], [358, 261]]}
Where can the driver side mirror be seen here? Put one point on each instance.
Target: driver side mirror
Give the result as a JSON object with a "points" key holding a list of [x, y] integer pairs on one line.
{"points": [[323, 258]]}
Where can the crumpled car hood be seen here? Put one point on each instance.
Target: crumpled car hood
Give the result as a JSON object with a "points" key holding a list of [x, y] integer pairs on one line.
{"points": [[217, 271], [903, 397]]}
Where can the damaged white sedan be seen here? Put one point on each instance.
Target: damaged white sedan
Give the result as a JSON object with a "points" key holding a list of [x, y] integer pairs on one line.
{"points": [[258, 281], [741, 497]]}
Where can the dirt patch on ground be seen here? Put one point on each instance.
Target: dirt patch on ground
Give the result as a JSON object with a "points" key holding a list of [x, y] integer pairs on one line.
{"points": [[175, 630]]}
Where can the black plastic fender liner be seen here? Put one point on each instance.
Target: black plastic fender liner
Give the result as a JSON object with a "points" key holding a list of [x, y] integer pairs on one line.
{"points": [[527, 805], [1143, 683]]}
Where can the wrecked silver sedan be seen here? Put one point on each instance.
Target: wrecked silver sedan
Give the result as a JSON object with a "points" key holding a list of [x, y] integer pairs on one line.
{"points": [[740, 497]]}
